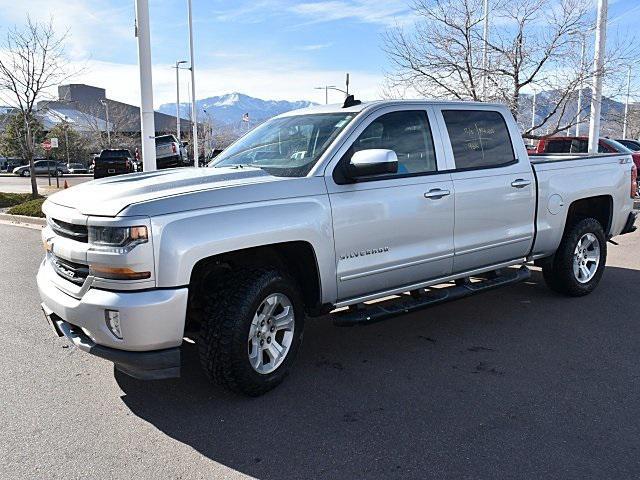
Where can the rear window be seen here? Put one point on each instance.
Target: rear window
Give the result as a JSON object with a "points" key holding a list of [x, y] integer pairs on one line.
{"points": [[164, 140], [479, 138], [115, 153], [567, 145]]}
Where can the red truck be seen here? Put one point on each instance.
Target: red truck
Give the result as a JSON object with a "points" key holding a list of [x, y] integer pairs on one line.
{"points": [[581, 145]]}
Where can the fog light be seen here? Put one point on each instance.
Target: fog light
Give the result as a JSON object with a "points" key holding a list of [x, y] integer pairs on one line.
{"points": [[112, 317]]}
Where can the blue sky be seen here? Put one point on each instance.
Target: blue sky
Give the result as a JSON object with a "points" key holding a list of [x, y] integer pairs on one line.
{"points": [[275, 49]]}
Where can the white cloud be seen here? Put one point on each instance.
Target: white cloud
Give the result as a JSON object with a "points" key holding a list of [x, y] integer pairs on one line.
{"points": [[93, 25], [382, 12], [272, 83], [318, 46]]}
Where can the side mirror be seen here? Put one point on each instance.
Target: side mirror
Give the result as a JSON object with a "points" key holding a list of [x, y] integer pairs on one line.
{"points": [[375, 161]]}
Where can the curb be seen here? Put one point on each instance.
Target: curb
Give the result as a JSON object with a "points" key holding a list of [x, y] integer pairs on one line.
{"points": [[23, 220]]}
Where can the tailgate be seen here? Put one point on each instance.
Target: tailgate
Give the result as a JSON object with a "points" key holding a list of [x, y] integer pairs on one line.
{"points": [[110, 166]]}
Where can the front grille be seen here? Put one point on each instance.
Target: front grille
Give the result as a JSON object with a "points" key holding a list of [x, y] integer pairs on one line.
{"points": [[74, 272], [69, 230]]}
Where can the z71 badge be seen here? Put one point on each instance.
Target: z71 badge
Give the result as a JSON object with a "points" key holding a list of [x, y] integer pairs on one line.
{"points": [[363, 253]]}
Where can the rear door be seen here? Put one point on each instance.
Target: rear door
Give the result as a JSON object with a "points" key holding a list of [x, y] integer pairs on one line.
{"points": [[392, 230], [494, 187]]}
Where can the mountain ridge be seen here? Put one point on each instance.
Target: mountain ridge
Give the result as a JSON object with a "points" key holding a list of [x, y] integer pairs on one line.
{"points": [[229, 108]]}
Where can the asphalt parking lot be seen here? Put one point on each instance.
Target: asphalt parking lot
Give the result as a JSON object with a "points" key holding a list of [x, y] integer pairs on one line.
{"points": [[15, 184], [513, 383]]}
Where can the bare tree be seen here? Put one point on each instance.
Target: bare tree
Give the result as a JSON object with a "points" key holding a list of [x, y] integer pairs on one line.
{"points": [[534, 44], [32, 62], [122, 124]]}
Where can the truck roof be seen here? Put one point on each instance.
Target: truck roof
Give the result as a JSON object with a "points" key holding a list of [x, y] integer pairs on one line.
{"points": [[337, 107]]}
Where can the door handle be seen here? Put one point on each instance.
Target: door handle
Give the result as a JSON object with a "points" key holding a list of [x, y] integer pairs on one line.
{"points": [[436, 194], [520, 183]]}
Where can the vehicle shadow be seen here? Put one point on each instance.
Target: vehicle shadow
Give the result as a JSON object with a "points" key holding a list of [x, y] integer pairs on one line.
{"points": [[489, 386]]}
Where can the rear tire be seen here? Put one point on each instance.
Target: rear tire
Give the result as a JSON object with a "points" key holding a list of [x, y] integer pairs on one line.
{"points": [[240, 315], [579, 262]]}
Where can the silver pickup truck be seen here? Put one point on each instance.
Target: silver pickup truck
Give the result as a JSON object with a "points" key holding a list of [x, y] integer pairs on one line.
{"points": [[354, 212]]}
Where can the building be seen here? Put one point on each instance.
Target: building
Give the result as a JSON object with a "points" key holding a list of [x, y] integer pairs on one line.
{"points": [[86, 108]]}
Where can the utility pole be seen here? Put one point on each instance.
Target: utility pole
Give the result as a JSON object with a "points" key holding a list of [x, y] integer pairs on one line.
{"points": [[626, 105], [583, 46], [147, 120], [485, 39], [347, 84], [177, 67], [598, 62], [194, 113], [106, 109]]}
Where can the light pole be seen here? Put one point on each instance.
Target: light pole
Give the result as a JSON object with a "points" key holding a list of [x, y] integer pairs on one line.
{"points": [[598, 61], [485, 39], [626, 105], [66, 136], [326, 92], [106, 109], [147, 120], [583, 46], [533, 112], [194, 113], [333, 87], [177, 67]]}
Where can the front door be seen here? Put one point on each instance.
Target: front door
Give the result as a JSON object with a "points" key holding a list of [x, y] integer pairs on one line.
{"points": [[393, 230]]}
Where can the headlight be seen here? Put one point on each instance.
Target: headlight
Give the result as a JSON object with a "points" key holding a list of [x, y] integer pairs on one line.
{"points": [[117, 239]]}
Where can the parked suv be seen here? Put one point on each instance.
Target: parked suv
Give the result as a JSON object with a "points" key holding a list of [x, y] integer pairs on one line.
{"points": [[40, 167], [170, 153], [112, 162]]}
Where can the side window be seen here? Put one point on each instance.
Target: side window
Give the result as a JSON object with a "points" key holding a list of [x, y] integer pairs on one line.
{"points": [[479, 138], [408, 134]]}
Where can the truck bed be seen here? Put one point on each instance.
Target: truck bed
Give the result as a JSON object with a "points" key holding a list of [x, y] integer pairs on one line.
{"points": [[543, 158], [563, 179]]}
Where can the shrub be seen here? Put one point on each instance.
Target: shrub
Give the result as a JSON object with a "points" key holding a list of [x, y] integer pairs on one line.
{"points": [[31, 208], [11, 199]]}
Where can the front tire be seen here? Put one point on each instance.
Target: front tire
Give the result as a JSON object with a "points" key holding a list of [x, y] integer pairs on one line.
{"points": [[252, 330], [579, 262]]}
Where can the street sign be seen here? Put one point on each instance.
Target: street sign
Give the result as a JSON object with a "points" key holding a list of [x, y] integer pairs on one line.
{"points": [[54, 142], [46, 145]]}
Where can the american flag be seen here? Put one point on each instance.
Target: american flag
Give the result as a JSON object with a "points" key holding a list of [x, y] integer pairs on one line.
{"points": [[245, 118]]}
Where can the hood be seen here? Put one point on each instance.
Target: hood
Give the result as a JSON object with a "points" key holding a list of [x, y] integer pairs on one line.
{"points": [[109, 196]]}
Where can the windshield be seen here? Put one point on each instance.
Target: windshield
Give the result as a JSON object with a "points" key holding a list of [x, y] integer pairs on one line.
{"points": [[287, 146], [617, 146]]}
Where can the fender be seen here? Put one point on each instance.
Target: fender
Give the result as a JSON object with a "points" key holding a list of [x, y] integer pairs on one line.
{"points": [[181, 240]]}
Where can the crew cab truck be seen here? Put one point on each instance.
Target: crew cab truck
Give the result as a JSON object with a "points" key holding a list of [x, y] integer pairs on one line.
{"points": [[326, 209]]}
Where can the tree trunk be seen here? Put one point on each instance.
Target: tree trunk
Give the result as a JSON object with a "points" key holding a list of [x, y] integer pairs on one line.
{"points": [[29, 154]]}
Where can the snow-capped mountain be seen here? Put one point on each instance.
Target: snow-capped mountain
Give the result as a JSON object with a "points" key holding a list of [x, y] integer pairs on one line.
{"points": [[228, 109]]}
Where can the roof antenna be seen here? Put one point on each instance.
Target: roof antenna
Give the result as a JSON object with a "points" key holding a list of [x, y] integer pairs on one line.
{"points": [[350, 101]]}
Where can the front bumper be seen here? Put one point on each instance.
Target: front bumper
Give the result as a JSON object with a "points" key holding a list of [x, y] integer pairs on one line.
{"points": [[152, 324], [154, 365]]}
